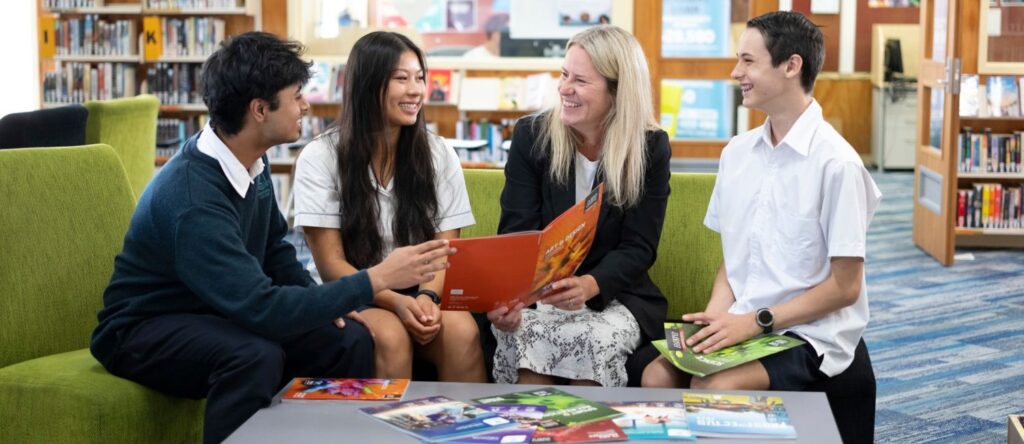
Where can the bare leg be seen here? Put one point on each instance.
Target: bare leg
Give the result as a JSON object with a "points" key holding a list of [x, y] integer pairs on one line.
{"points": [[392, 352], [749, 376], [661, 373], [456, 349]]}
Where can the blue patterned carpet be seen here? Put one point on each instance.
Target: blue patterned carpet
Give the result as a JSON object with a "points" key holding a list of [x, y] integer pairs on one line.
{"points": [[947, 344]]}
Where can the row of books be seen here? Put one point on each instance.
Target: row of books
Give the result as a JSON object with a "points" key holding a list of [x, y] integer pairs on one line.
{"points": [[528, 93], [989, 153], [91, 36], [989, 205], [192, 4], [171, 133], [484, 140], [999, 96], [173, 83], [191, 36], [68, 4], [552, 415], [79, 82]]}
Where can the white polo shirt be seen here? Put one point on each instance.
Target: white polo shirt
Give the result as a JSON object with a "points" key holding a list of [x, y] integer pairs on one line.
{"points": [[783, 212], [238, 175], [317, 190]]}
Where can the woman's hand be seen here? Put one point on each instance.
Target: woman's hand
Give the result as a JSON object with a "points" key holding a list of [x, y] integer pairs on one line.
{"points": [[506, 320], [571, 293], [423, 325], [721, 330]]}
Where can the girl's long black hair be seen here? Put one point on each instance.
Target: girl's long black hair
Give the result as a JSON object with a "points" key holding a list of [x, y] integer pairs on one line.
{"points": [[362, 129]]}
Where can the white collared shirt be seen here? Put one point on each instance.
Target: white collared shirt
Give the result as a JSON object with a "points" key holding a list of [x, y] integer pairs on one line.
{"points": [[238, 175], [783, 212], [318, 191]]}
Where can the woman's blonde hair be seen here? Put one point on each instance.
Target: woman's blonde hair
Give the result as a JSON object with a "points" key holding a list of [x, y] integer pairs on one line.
{"points": [[618, 57]]}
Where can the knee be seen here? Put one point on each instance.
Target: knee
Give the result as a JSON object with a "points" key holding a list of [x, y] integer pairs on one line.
{"points": [[358, 339], [256, 359], [656, 375], [462, 332], [393, 342], [714, 382]]}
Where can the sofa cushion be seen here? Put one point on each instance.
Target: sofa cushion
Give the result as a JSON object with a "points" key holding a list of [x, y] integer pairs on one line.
{"points": [[69, 394]]}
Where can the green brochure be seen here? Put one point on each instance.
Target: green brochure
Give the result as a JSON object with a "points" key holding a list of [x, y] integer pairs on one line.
{"points": [[703, 364], [563, 409]]}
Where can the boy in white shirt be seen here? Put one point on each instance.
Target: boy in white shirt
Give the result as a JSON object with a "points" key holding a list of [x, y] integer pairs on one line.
{"points": [[792, 202]]}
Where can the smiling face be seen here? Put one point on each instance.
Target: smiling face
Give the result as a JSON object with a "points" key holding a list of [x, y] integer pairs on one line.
{"points": [[284, 124], [761, 83], [586, 100], [404, 96]]}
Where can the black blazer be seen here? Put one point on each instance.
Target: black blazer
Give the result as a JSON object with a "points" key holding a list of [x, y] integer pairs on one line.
{"points": [[626, 242]]}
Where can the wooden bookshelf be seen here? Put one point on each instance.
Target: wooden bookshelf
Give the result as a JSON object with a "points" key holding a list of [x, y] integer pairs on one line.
{"points": [[937, 176]]}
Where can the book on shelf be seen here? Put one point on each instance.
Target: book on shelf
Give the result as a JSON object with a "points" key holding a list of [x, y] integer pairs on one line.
{"points": [[563, 409], [483, 140], [74, 82], [645, 420], [986, 152], [346, 389], [90, 35], [442, 86], [438, 418], [500, 271], [1003, 96], [737, 416], [173, 83], [317, 88], [529, 93], [969, 95], [990, 205], [703, 364]]}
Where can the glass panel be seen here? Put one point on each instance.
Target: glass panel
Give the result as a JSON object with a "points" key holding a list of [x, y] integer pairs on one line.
{"points": [[940, 10], [695, 28], [700, 109], [936, 109], [1005, 32]]}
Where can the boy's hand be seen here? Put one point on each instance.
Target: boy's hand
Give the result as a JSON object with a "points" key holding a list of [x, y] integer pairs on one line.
{"points": [[721, 330], [409, 266]]}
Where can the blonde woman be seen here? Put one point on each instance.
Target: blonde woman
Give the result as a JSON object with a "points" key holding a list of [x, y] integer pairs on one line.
{"points": [[602, 130]]}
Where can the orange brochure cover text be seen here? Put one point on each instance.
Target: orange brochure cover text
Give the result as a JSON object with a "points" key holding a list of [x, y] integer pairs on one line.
{"points": [[495, 271]]}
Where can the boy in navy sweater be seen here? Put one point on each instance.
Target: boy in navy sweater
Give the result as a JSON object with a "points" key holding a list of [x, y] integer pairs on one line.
{"points": [[207, 299]]}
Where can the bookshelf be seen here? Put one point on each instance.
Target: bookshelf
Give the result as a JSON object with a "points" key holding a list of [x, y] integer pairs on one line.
{"points": [[107, 49], [957, 43]]}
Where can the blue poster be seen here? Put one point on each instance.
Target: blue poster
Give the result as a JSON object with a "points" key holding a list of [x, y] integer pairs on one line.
{"points": [[705, 109], [695, 28]]}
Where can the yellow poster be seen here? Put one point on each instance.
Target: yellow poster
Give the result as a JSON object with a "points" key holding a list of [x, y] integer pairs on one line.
{"points": [[671, 96], [152, 46]]}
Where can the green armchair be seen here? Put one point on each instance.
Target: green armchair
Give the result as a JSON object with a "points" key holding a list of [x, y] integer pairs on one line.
{"points": [[129, 126], [65, 213]]}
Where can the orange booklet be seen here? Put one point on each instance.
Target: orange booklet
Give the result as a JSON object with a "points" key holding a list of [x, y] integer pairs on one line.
{"points": [[494, 271], [362, 389]]}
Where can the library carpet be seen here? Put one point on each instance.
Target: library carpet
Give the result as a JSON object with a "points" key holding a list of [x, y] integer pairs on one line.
{"points": [[947, 343]]}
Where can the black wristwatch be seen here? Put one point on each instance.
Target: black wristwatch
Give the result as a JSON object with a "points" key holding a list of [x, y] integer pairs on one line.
{"points": [[433, 295], [765, 319]]}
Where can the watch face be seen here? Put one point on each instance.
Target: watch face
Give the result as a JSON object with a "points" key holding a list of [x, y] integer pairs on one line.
{"points": [[764, 318]]}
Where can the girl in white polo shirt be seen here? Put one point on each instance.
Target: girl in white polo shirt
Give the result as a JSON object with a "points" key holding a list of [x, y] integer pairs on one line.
{"points": [[378, 180]]}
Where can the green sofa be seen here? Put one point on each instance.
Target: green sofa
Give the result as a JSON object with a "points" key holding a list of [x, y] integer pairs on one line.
{"points": [[65, 212]]}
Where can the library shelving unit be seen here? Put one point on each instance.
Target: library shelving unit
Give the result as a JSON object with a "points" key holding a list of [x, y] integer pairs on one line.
{"points": [[956, 41], [105, 49]]}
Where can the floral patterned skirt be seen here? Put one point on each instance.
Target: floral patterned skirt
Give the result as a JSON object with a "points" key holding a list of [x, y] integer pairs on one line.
{"points": [[582, 344]]}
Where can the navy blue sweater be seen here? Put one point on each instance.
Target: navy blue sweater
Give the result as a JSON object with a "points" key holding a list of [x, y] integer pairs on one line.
{"points": [[195, 246]]}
